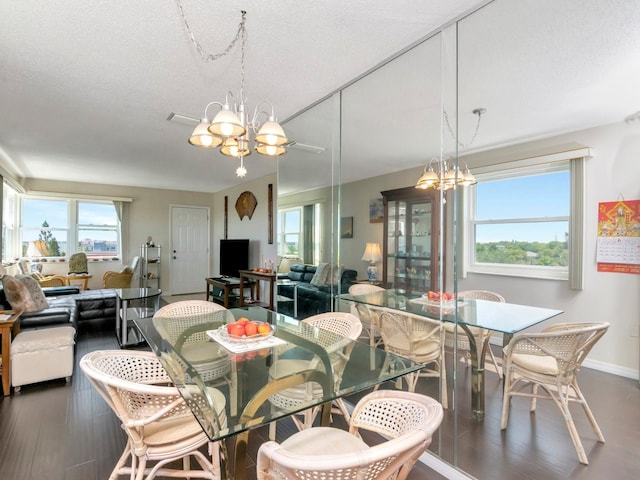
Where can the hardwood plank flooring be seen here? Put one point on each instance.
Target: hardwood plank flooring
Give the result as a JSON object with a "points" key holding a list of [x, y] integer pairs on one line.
{"points": [[55, 430]]}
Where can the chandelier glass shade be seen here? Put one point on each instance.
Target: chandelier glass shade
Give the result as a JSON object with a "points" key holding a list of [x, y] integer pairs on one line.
{"points": [[445, 175]]}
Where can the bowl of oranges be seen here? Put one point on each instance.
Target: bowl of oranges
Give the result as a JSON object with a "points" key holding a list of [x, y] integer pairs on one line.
{"points": [[245, 330]]}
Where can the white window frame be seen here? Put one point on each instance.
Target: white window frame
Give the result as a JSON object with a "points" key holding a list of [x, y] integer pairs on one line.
{"points": [[73, 227], [570, 160], [281, 231]]}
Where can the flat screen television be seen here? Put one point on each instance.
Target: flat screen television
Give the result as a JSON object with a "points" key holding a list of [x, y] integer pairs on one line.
{"points": [[234, 256]]}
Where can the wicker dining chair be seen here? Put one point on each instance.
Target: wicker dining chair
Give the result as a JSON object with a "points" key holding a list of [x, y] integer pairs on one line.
{"points": [[368, 320], [480, 334], [417, 338], [408, 420], [348, 328], [551, 360], [184, 324], [160, 427]]}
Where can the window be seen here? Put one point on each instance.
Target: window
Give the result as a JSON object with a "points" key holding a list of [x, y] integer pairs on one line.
{"points": [[47, 220], [68, 226], [521, 221], [290, 232], [98, 229], [9, 223]]}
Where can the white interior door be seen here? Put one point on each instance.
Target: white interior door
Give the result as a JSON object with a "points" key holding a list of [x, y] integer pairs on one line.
{"points": [[189, 255]]}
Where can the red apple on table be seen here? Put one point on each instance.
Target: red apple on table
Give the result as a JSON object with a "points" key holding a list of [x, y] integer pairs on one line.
{"points": [[251, 329], [236, 329]]}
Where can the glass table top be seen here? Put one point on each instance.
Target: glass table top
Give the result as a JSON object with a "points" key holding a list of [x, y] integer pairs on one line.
{"points": [[137, 293], [501, 317], [253, 381]]}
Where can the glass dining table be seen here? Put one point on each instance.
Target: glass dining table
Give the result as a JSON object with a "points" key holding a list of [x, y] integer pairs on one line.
{"points": [[505, 318], [200, 356]]}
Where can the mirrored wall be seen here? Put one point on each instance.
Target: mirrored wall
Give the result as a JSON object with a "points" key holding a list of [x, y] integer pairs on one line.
{"points": [[378, 133]]}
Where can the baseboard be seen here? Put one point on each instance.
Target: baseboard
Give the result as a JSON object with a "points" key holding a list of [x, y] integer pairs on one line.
{"points": [[445, 469], [593, 364]]}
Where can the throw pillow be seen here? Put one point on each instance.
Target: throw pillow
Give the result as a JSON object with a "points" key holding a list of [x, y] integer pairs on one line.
{"points": [[320, 277], [35, 290], [17, 294]]}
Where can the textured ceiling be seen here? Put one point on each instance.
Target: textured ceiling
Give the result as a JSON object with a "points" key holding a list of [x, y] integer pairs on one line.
{"points": [[86, 87]]}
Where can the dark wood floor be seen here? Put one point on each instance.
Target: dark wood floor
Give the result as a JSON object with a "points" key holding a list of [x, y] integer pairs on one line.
{"points": [[64, 431]]}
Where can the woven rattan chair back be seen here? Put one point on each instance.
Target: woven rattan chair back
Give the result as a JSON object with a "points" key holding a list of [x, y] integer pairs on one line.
{"points": [[407, 419], [417, 338], [368, 320]]}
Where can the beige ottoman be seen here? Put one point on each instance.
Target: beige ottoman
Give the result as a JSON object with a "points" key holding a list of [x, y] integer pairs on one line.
{"points": [[39, 355]]}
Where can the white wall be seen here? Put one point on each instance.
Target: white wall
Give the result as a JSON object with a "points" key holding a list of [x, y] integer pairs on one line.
{"points": [[255, 229], [612, 173]]}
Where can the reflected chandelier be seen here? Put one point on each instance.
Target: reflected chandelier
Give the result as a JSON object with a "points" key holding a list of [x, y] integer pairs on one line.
{"points": [[231, 127], [446, 174]]}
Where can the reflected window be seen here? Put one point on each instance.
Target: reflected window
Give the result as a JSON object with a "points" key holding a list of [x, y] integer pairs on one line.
{"points": [[290, 232], [519, 222]]}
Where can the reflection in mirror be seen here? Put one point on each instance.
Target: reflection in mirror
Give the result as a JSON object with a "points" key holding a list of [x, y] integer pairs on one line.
{"points": [[307, 215], [542, 79]]}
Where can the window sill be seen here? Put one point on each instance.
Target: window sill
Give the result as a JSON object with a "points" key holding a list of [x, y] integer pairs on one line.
{"points": [[544, 273]]}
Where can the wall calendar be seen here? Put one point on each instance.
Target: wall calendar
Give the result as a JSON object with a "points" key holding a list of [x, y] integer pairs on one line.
{"points": [[618, 248]]}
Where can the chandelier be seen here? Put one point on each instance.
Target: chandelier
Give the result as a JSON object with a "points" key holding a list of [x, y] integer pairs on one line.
{"points": [[446, 174], [232, 129]]}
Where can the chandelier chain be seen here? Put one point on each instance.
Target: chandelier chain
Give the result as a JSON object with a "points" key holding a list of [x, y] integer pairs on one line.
{"points": [[477, 111], [211, 57]]}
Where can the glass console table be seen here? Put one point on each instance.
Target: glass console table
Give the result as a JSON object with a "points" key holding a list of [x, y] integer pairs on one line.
{"points": [[250, 381], [132, 304]]}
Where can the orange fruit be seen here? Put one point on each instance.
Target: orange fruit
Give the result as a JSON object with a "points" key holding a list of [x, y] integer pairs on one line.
{"points": [[264, 328]]}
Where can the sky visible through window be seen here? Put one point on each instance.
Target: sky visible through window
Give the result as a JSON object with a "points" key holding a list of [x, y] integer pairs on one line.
{"points": [[535, 196], [55, 213]]}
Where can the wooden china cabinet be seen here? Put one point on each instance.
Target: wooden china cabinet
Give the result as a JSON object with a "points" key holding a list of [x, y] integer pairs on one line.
{"points": [[411, 244]]}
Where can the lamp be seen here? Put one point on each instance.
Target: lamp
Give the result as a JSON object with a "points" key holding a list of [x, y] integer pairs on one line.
{"points": [[372, 255], [445, 175], [35, 250], [232, 127]]}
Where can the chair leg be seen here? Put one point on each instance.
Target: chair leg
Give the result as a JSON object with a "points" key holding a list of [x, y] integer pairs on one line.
{"points": [[563, 403], [495, 362], [588, 412], [506, 398]]}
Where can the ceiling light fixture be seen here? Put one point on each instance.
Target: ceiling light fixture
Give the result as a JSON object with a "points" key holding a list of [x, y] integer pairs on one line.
{"points": [[231, 128], [446, 174]]}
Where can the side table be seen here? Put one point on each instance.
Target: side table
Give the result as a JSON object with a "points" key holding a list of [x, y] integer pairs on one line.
{"points": [[259, 276], [131, 304], [8, 327]]}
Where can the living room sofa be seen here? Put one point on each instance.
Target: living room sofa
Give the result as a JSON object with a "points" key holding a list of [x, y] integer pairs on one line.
{"points": [[67, 306], [302, 293]]}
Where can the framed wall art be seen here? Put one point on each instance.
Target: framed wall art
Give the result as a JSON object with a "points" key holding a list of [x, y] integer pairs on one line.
{"points": [[346, 227], [376, 211]]}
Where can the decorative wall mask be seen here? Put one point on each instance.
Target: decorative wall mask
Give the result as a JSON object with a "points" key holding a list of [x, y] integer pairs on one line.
{"points": [[246, 204]]}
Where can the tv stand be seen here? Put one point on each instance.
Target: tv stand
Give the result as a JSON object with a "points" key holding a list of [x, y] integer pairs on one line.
{"points": [[221, 290]]}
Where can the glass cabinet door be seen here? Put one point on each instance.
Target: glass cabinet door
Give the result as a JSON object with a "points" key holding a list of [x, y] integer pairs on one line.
{"points": [[410, 240]]}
